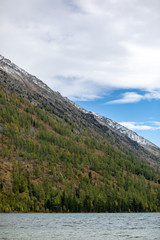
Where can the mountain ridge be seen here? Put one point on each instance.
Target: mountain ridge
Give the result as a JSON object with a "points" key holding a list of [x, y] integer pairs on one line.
{"points": [[49, 96]]}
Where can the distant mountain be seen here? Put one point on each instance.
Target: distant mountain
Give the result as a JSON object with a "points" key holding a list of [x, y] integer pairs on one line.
{"points": [[60, 157]]}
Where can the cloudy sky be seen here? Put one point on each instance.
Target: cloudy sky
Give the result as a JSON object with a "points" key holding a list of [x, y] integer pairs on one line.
{"points": [[102, 54]]}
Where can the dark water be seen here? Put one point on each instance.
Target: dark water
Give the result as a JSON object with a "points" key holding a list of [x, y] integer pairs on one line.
{"points": [[103, 226]]}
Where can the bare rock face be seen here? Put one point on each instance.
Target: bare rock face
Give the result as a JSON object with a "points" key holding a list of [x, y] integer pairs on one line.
{"points": [[38, 93]]}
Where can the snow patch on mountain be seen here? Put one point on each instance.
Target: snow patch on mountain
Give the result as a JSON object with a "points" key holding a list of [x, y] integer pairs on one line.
{"points": [[129, 133], [118, 127], [16, 71]]}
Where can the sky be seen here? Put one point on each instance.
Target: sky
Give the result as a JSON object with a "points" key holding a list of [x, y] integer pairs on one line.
{"points": [[102, 54]]}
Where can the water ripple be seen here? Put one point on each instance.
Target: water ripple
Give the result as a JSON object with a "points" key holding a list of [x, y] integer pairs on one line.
{"points": [[141, 226]]}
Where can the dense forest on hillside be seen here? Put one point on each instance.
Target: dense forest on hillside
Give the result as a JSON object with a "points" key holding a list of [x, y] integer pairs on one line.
{"points": [[53, 164]]}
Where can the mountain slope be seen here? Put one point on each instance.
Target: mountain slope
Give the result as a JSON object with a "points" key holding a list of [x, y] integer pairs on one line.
{"points": [[57, 157], [40, 94]]}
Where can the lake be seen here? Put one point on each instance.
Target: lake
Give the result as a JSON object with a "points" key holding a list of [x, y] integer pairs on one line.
{"points": [[83, 226]]}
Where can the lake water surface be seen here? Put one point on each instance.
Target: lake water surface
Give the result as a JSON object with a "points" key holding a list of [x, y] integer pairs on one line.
{"points": [[96, 226]]}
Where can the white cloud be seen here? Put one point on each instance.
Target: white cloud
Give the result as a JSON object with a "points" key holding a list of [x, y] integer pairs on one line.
{"points": [[94, 45], [152, 95], [128, 97], [156, 123], [133, 97], [141, 126]]}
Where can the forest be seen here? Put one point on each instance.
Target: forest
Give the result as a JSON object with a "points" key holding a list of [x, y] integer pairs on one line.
{"points": [[54, 164]]}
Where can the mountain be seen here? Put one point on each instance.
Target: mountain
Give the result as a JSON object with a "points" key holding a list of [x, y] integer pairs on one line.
{"points": [[38, 93], [60, 157]]}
